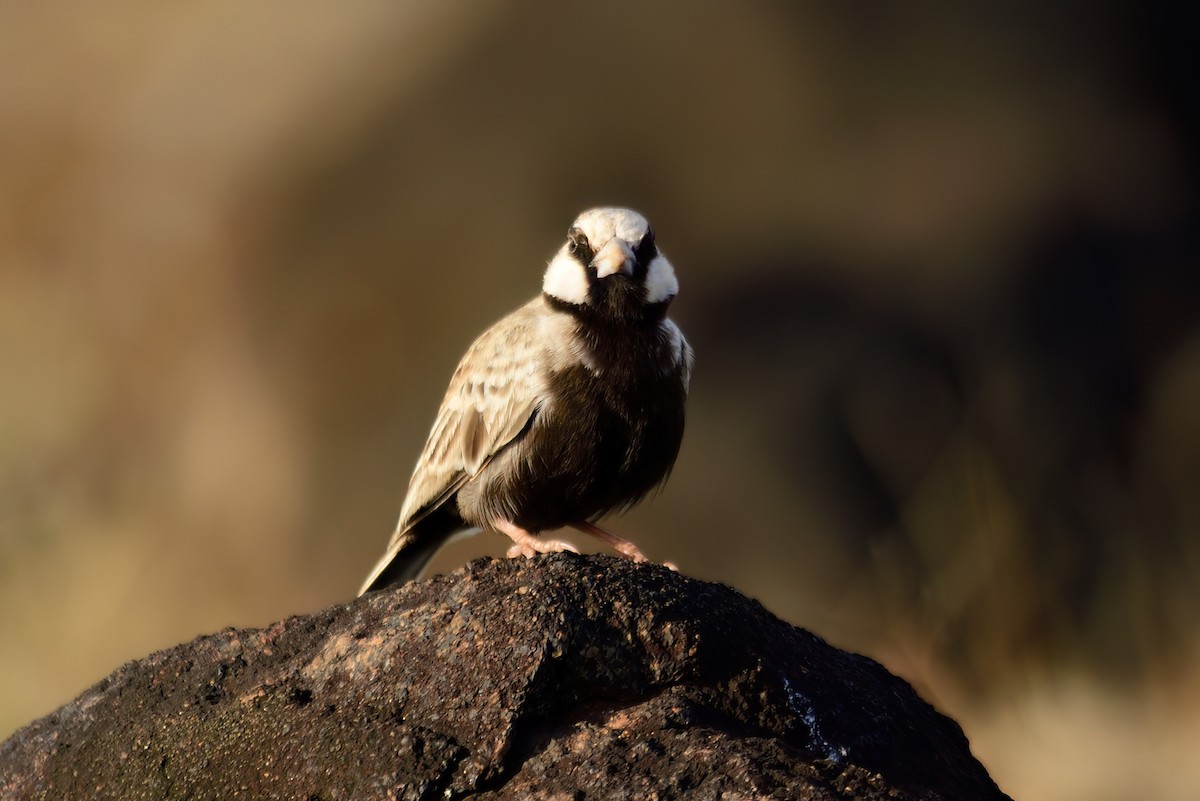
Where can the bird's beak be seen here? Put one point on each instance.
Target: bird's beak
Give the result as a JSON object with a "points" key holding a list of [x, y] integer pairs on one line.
{"points": [[614, 257]]}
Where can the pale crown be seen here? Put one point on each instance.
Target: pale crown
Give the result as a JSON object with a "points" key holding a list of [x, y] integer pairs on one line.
{"points": [[612, 238]]}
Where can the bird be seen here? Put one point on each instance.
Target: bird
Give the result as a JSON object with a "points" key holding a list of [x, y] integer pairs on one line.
{"points": [[567, 409]]}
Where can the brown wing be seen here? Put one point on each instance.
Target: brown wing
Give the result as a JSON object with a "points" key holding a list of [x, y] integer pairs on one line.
{"points": [[493, 393]]}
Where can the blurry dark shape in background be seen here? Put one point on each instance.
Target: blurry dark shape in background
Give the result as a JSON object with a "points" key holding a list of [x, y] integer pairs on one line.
{"points": [[939, 266]]}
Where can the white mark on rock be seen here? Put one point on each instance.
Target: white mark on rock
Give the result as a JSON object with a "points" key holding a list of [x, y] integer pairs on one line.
{"points": [[804, 710]]}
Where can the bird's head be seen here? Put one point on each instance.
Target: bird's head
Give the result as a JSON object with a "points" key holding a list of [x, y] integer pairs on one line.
{"points": [[611, 267]]}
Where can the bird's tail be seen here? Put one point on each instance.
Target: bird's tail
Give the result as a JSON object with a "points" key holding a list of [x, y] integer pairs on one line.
{"points": [[400, 564], [410, 550]]}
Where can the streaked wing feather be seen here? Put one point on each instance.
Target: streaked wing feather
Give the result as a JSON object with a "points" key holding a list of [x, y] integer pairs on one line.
{"points": [[685, 357], [492, 395], [688, 359]]}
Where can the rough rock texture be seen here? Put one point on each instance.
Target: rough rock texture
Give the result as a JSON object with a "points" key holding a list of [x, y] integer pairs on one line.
{"points": [[561, 677]]}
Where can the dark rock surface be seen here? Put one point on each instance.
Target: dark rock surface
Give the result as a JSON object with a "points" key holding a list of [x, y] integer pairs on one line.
{"points": [[562, 677]]}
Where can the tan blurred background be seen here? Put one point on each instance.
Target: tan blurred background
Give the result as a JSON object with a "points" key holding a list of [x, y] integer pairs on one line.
{"points": [[938, 267]]}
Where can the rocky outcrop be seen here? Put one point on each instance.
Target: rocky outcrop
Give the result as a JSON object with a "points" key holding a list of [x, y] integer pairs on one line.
{"points": [[559, 677]]}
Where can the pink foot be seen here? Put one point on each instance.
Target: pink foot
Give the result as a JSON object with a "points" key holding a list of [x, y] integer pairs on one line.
{"points": [[526, 544], [619, 544]]}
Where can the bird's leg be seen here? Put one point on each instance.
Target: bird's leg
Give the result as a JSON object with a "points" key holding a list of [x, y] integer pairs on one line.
{"points": [[620, 545], [526, 544]]}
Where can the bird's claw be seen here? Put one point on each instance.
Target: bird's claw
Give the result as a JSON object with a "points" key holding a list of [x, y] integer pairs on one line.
{"points": [[534, 546], [528, 545], [630, 551]]}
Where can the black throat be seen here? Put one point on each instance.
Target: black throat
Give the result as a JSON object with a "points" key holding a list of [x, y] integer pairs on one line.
{"points": [[619, 335], [613, 303]]}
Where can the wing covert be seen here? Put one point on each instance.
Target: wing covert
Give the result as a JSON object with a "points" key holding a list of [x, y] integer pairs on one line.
{"points": [[492, 395]]}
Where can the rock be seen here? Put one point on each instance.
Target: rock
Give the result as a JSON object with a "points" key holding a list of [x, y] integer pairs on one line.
{"points": [[560, 677]]}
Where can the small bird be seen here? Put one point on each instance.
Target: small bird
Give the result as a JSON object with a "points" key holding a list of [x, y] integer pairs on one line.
{"points": [[567, 409]]}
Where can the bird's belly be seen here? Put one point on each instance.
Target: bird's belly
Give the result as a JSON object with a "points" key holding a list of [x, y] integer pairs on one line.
{"points": [[586, 454]]}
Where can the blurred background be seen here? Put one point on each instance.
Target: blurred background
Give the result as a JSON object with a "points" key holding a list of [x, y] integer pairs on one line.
{"points": [[938, 266]]}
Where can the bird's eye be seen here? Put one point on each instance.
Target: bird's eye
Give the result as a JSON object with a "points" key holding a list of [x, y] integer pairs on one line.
{"points": [[577, 244], [645, 249]]}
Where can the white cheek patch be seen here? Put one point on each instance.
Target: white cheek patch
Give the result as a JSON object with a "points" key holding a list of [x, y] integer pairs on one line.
{"points": [[661, 283], [566, 279]]}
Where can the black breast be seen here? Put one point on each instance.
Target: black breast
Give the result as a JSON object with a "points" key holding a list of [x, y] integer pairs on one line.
{"points": [[605, 440]]}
